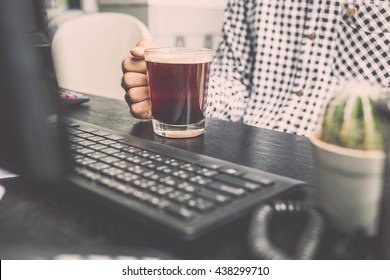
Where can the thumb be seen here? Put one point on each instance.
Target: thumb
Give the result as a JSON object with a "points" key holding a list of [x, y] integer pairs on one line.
{"points": [[139, 50]]}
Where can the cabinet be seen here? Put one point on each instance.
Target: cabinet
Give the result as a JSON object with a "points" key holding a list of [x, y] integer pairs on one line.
{"points": [[192, 23]]}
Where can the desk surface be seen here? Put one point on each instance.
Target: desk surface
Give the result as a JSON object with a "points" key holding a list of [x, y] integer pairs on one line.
{"points": [[33, 219]]}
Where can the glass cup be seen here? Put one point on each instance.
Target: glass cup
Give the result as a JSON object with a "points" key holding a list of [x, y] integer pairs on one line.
{"points": [[178, 81]]}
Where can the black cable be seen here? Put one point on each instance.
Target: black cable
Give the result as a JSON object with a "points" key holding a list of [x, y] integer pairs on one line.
{"points": [[260, 242]]}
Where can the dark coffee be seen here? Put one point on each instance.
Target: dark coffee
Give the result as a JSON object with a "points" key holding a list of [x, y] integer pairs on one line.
{"points": [[178, 91]]}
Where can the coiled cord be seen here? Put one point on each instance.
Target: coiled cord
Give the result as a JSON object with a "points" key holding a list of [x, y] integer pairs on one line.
{"points": [[308, 245]]}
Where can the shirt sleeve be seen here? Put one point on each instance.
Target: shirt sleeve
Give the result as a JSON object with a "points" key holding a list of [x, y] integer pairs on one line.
{"points": [[230, 74]]}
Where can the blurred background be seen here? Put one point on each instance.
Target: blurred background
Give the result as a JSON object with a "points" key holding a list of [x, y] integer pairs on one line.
{"points": [[194, 23], [86, 40]]}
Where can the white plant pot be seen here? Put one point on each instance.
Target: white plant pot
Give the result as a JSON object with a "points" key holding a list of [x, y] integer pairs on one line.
{"points": [[349, 186]]}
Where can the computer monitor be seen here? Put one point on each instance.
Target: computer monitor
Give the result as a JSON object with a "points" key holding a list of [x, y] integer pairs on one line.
{"points": [[30, 142], [34, 21]]}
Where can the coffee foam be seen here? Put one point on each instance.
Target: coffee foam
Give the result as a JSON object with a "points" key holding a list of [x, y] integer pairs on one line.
{"points": [[178, 58]]}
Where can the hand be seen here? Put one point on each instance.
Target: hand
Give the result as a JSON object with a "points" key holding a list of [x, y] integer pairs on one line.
{"points": [[134, 81]]}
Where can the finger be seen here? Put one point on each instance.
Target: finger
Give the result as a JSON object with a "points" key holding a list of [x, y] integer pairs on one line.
{"points": [[138, 94], [142, 45], [131, 79], [131, 64], [138, 52], [141, 110]]}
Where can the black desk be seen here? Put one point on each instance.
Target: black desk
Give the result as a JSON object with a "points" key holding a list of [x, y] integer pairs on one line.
{"points": [[33, 219]]}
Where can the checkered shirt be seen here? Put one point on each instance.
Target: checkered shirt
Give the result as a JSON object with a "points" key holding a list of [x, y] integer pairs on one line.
{"points": [[279, 62]]}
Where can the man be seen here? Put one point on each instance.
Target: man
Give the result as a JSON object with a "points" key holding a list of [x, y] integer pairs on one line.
{"points": [[279, 62]]}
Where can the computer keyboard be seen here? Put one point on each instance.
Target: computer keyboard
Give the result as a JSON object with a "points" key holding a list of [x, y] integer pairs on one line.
{"points": [[184, 193]]}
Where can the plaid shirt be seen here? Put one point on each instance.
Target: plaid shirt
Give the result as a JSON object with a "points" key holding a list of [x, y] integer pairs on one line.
{"points": [[279, 62]]}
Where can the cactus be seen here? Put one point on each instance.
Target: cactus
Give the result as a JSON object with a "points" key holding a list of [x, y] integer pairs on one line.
{"points": [[351, 119]]}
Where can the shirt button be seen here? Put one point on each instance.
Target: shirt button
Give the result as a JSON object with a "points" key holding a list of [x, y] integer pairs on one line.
{"points": [[351, 11], [299, 93], [311, 36]]}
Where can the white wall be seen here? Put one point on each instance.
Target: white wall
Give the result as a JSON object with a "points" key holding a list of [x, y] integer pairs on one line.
{"points": [[193, 23]]}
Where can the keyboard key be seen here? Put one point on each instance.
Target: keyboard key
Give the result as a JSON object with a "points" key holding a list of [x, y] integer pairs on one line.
{"points": [[119, 146], [121, 155], [121, 164], [96, 155], [227, 189], [83, 135], [161, 190], [107, 142], [124, 188], [130, 191], [258, 179], [208, 164], [237, 182], [189, 167], [151, 175], [200, 204], [230, 171], [130, 149], [156, 157], [159, 158], [149, 164], [145, 154], [84, 151], [76, 140], [71, 131], [98, 147], [109, 159], [161, 167], [158, 202], [98, 166], [141, 195], [143, 183], [168, 170], [189, 187], [126, 177], [175, 163], [86, 129], [182, 174], [96, 138], [180, 212], [109, 151], [207, 172], [77, 156], [136, 159], [108, 182], [200, 180], [179, 196], [100, 133], [75, 147], [214, 196], [71, 124], [84, 161], [86, 143], [112, 171], [87, 174], [169, 180], [114, 137], [136, 169]]}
